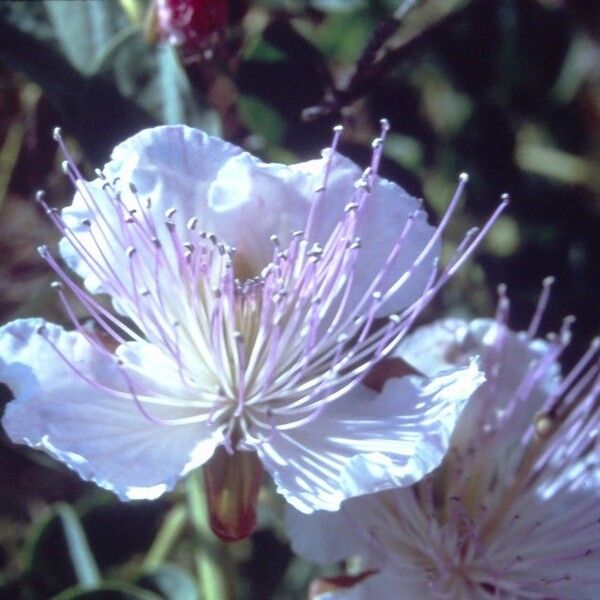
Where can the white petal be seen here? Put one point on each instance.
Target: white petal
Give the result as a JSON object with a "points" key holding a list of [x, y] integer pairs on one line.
{"points": [[101, 436], [322, 536], [382, 220], [173, 166], [366, 442], [451, 343], [243, 202], [433, 348]]}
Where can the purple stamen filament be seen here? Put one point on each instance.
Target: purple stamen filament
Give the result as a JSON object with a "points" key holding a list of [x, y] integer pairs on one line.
{"points": [[279, 347]]}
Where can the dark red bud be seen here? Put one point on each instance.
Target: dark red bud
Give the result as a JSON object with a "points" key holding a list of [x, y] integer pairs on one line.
{"points": [[232, 483], [192, 24]]}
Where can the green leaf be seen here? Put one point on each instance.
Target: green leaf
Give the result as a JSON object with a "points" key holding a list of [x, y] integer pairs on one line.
{"points": [[108, 591], [79, 549], [57, 554], [170, 582], [85, 30], [261, 118]]}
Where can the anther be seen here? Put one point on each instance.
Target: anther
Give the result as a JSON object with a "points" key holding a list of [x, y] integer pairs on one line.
{"points": [[130, 251], [132, 188], [351, 206], [544, 425], [376, 142], [86, 222], [297, 233], [338, 128], [40, 196], [57, 134], [548, 281], [274, 240], [464, 177], [192, 223], [43, 251], [56, 285], [361, 184], [170, 212], [64, 165], [385, 125], [170, 225]]}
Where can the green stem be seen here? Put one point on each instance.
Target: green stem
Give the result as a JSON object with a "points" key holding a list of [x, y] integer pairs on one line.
{"points": [[210, 556], [81, 556], [164, 541]]}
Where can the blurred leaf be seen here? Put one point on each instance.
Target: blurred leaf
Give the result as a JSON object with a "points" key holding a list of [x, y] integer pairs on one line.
{"points": [[108, 591], [79, 549], [338, 5], [261, 118], [117, 531], [342, 35], [92, 109], [170, 582], [85, 30], [151, 76], [57, 555]]}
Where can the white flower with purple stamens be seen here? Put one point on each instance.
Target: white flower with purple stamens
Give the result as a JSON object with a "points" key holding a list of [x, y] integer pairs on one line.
{"points": [[514, 510], [248, 302]]}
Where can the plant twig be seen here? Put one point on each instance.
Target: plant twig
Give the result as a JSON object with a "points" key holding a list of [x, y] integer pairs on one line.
{"points": [[369, 68]]}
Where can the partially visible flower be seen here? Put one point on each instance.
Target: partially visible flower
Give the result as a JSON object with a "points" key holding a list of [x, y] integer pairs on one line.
{"points": [[250, 298], [514, 510], [192, 24]]}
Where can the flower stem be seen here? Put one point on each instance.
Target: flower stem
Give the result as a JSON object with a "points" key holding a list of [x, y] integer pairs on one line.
{"points": [[164, 541], [82, 559], [210, 555]]}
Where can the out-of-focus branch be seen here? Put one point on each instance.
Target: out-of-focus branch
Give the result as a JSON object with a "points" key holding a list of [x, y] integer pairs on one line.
{"points": [[375, 61]]}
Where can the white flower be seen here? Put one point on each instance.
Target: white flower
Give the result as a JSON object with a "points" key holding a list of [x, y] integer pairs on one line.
{"points": [[514, 510], [246, 296]]}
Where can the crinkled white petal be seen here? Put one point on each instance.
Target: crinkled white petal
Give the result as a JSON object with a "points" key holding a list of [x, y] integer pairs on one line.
{"points": [[102, 436], [434, 348], [243, 202], [381, 221], [367, 441], [174, 167], [450, 343]]}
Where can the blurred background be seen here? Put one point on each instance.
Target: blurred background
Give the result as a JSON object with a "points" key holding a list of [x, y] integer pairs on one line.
{"points": [[506, 90]]}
